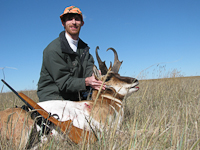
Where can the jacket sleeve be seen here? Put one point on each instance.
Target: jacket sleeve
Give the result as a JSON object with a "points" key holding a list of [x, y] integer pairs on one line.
{"points": [[60, 72]]}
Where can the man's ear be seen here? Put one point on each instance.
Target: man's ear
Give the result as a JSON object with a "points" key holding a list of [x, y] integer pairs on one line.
{"points": [[63, 23], [96, 73], [82, 23]]}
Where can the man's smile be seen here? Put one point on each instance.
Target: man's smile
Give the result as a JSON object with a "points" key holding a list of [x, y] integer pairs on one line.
{"points": [[73, 27]]}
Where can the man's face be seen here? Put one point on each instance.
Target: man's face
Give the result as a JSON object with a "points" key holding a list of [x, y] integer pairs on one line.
{"points": [[72, 24]]}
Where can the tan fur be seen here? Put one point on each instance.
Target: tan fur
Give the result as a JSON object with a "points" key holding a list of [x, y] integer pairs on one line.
{"points": [[102, 108], [16, 125]]}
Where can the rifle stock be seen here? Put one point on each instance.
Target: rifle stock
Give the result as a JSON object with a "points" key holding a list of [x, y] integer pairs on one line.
{"points": [[74, 133]]}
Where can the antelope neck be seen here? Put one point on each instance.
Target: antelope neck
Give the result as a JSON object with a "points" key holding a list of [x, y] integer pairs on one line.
{"points": [[118, 101]]}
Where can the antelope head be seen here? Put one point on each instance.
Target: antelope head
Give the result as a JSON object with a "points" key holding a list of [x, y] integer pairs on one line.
{"points": [[120, 85]]}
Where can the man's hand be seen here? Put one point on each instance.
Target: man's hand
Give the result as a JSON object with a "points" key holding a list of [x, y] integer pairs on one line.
{"points": [[95, 84]]}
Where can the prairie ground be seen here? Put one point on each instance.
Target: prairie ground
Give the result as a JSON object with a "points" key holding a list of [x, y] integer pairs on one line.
{"points": [[163, 114]]}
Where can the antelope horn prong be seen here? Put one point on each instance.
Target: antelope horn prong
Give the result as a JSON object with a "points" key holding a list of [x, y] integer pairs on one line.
{"points": [[102, 65], [117, 63], [110, 65]]}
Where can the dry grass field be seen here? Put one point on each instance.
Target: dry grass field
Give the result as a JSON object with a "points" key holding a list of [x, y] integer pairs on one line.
{"points": [[163, 115]]}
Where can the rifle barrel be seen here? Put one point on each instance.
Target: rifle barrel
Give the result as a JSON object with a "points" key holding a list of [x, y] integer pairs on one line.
{"points": [[17, 94]]}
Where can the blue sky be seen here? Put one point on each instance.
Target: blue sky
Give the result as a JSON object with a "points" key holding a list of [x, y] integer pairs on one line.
{"points": [[152, 37]]}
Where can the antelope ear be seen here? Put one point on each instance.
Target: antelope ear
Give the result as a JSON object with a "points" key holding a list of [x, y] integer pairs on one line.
{"points": [[96, 73]]}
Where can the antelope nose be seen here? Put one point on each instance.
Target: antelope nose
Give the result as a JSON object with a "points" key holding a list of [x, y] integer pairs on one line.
{"points": [[131, 80], [134, 80]]}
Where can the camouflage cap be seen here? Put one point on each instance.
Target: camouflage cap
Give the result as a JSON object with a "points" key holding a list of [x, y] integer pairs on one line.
{"points": [[73, 10]]}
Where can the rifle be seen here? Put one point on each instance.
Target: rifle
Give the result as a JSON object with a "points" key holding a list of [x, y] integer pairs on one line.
{"points": [[66, 127]]}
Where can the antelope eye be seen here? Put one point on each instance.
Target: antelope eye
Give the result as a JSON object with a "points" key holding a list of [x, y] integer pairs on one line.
{"points": [[107, 79]]}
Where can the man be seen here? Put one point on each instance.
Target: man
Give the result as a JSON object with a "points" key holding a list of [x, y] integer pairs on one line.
{"points": [[67, 64]]}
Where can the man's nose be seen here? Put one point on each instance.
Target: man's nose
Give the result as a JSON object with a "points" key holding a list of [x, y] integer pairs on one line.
{"points": [[73, 20]]}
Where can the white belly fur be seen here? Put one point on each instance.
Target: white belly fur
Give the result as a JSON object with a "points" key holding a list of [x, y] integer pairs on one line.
{"points": [[68, 110]]}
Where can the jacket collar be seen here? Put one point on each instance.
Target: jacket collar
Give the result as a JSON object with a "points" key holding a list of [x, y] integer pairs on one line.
{"points": [[65, 45]]}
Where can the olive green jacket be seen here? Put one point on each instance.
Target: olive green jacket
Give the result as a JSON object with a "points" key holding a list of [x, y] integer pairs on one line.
{"points": [[64, 71]]}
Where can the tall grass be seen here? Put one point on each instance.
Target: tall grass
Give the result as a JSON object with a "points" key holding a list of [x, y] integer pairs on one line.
{"points": [[163, 114], [168, 112]]}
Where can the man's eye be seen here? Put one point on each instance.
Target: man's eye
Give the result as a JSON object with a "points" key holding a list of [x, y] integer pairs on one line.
{"points": [[70, 19], [76, 18]]}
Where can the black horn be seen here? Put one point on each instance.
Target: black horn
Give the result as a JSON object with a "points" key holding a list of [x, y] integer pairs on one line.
{"points": [[102, 65], [117, 63]]}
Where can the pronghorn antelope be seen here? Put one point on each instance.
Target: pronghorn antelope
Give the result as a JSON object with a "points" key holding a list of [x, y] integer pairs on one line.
{"points": [[101, 112]]}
